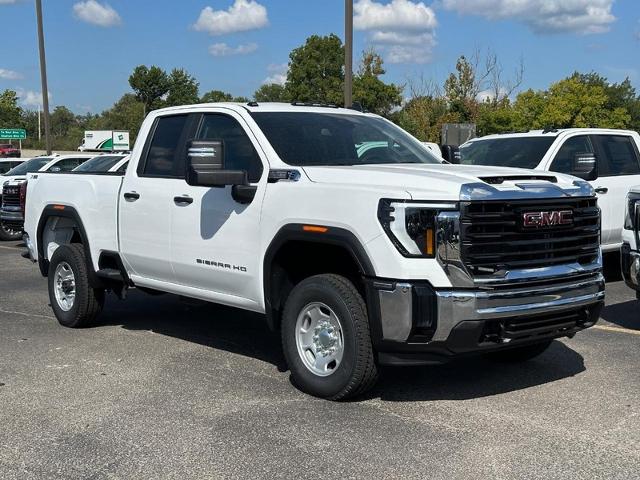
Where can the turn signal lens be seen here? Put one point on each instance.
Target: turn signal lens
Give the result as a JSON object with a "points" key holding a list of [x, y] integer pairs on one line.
{"points": [[315, 229]]}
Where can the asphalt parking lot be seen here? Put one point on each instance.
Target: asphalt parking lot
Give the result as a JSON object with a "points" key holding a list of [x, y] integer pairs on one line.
{"points": [[162, 389]]}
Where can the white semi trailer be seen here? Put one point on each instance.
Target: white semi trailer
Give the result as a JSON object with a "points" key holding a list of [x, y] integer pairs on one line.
{"points": [[104, 141]]}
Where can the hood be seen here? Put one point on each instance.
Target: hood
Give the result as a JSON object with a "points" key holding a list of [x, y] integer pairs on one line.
{"points": [[5, 179], [445, 181]]}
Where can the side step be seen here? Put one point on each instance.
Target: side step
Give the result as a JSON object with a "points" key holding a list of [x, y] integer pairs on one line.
{"points": [[110, 274]]}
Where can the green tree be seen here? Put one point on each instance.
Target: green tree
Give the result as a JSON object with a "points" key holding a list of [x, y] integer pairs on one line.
{"points": [[572, 103], [62, 119], [271, 92], [423, 116], [126, 114], [149, 85], [316, 71], [215, 96], [10, 112], [495, 117], [462, 89], [183, 88], [370, 91]]}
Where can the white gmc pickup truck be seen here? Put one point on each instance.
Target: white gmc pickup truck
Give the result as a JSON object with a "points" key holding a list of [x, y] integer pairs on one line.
{"points": [[358, 244]]}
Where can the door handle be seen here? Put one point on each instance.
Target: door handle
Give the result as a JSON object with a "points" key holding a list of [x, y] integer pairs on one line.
{"points": [[183, 200], [602, 190], [131, 196]]}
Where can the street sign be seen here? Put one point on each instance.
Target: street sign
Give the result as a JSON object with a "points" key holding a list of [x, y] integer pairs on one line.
{"points": [[13, 134]]}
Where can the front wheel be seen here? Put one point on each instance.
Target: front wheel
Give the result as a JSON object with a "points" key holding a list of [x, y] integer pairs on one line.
{"points": [[519, 354], [326, 339], [7, 234], [75, 303]]}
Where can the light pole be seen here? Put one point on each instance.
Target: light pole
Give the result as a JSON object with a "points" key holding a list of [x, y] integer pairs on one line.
{"points": [[43, 76], [348, 53]]}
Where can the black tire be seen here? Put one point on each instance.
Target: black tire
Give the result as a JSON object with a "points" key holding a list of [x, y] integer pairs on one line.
{"points": [[88, 302], [357, 372], [8, 235], [519, 354]]}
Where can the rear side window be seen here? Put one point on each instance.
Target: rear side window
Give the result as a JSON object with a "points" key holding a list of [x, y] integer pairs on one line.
{"points": [[67, 164], [563, 162], [239, 153], [617, 155], [163, 155]]}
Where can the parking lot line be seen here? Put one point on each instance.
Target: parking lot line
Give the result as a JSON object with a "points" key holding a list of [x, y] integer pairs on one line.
{"points": [[609, 328], [10, 248]]}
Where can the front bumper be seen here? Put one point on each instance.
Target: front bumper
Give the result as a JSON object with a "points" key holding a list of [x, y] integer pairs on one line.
{"points": [[413, 323], [12, 218], [630, 263]]}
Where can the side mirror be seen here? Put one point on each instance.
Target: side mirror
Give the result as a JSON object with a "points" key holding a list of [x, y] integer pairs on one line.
{"points": [[55, 169], [205, 165], [585, 166], [450, 153]]}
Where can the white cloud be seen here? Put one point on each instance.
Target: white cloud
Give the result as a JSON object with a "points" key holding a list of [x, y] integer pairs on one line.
{"points": [[404, 30], [278, 74], [29, 98], [243, 15], [224, 50], [10, 74], [543, 16], [96, 13]]}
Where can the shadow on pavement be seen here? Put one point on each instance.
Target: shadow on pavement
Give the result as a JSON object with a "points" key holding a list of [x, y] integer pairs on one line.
{"points": [[214, 326], [247, 334], [624, 314], [477, 377]]}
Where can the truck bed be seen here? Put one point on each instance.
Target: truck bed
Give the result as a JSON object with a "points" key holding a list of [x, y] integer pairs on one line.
{"points": [[92, 197]]}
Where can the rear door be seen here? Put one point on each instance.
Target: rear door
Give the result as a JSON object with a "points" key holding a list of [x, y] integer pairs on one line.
{"points": [[618, 171], [146, 199]]}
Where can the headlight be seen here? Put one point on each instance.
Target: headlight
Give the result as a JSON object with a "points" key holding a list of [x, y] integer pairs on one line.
{"points": [[411, 226], [632, 213]]}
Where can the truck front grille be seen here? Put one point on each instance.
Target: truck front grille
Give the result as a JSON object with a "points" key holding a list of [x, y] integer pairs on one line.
{"points": [[11, 196], [495, 238]]}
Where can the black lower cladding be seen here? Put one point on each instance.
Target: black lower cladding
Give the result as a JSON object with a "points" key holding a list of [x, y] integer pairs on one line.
{"points": [[471, 336]]}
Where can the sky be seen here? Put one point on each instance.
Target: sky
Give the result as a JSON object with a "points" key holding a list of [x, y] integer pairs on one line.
{"points": [[93, 46]]}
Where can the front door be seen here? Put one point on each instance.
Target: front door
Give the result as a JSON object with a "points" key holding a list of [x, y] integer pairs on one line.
{"points": [[215, 241]]}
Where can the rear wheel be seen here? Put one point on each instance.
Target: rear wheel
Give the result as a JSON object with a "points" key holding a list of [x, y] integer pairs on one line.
{"points": [[519, 354], [326, 339], [7, 234], [74, 302]]}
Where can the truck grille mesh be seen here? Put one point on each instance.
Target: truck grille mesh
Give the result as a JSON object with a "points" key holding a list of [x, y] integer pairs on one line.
{"points": [[11, 196], [494, 238]]}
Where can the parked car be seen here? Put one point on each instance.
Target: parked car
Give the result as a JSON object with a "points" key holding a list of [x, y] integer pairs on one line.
{"points": [[6, 165], [434, 148], [359, 257], [11, 215], [630, 250], [608, 159], [8, 150], [104, 164]]}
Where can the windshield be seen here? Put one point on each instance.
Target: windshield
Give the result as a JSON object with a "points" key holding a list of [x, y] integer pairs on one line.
{"points": [[99, 164], [521, 152], [29, 166], [306, 139]]}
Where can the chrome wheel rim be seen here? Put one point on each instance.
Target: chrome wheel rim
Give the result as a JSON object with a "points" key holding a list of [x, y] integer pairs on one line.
{"points": [[64, 286], [319, 339]]}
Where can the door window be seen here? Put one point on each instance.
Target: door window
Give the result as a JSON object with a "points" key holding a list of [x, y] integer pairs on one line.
{"points": [[239, 153], [164, 156], [573, 146], [618, 155]]}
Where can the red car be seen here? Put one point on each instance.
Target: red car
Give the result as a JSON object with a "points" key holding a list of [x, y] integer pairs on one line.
{"points": [[8, 150]]}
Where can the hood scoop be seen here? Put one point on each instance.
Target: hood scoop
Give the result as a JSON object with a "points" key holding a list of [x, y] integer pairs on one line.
{"points": [[499, 180]]}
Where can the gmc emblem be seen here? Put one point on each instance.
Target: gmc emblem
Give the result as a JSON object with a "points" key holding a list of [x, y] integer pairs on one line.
{"points": [[547, 219]]}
